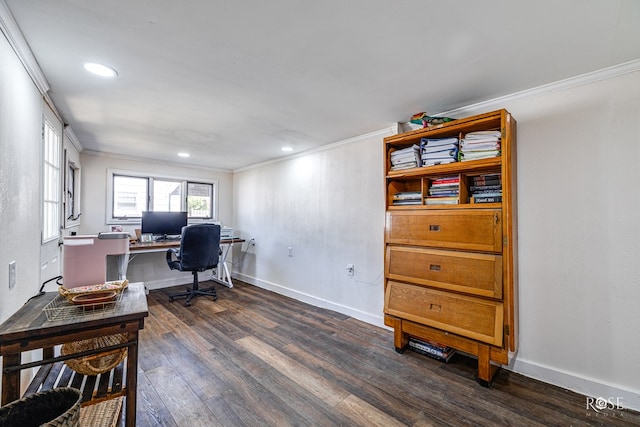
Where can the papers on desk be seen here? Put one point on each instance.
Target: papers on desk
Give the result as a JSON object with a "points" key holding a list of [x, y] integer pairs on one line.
{"points": [[226, 233]]}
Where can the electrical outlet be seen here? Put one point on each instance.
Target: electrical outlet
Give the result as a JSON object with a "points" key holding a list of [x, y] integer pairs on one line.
{"points": [[290, 251], [12, 274], [350, 269]]}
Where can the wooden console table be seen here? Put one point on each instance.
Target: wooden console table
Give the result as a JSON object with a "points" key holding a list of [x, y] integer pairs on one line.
{"points": [[28, 329]]}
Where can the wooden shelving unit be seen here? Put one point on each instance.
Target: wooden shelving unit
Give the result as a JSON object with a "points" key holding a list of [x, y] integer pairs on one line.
{"points": [[451, 269]]}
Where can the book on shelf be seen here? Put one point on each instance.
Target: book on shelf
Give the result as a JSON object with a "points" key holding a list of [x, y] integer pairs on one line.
{"points": [[406, 202], [399, 158], [434, 142], [448, 200], [434, 350], [491, 187], [444, 192], [403, 198], [445, 180], [487, 193], [439, 151], [444, 186], [446, 147], [482, 134], [405, 158], [477, 155], [486, 199], [479, 145], [441, 154], [407, 195], [438, 161], [402, 166], [488, 179]]}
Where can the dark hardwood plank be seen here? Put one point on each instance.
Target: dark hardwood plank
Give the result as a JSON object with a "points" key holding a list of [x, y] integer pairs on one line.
{"points": [[256, 358]]}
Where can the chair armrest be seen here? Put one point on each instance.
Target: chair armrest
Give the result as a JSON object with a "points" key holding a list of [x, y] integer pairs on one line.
{"points": [[173, 265]]}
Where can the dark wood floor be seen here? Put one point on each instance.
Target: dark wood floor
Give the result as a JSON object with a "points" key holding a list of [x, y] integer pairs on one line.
{"points": [[256, 358]]}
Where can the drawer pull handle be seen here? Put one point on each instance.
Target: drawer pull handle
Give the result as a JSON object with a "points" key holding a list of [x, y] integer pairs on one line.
{"points": [[434, 228], [434, 267], [435, 307]]}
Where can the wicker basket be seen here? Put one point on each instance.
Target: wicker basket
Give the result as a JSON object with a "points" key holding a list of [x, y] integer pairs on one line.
{"points": [[96, 363], [59, 407]]}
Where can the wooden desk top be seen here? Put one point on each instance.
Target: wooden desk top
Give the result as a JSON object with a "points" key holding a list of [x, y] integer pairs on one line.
{"points": [[30, 323], [166, 244]]}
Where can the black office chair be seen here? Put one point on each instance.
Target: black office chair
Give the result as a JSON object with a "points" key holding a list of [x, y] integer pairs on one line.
{"points": [[199, 251]]}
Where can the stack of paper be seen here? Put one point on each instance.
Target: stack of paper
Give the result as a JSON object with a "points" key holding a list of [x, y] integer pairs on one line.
{"points": [[480, 145], [438, 151], [405, 158]]}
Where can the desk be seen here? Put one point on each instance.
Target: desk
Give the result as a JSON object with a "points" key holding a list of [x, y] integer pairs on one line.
{"points": [[223, 275], [28, 329]]}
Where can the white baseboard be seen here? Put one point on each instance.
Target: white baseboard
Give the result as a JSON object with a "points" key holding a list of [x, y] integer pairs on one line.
{"points": [[167, 283], [313, 300], [570, 381]]}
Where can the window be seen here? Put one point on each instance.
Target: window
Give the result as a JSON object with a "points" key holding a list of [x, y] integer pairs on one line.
{"points": [[199, 200], [167, 195], [51, 184], [130, 196], [131, 193]]}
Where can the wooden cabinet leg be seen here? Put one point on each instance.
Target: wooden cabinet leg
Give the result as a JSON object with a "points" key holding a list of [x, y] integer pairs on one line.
{"points": [[486, 370], [400, 339]]}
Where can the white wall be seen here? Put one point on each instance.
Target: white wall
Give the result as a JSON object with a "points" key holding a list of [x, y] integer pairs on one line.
{"points": [[579, 232], [149, 268], [328, 206], [20, 176]]}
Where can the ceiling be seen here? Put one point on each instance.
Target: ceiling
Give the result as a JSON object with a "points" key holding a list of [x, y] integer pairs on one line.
{"points": [[231, 82]]}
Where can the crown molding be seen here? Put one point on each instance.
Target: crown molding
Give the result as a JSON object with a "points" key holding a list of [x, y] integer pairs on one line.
{"points": [[72, 138], [391, 130], [16, 39], [560, 85], [152, 161]]}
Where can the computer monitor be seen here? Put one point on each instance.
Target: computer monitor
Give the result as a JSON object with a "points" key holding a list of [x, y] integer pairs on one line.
{"points": [[163, 225]]}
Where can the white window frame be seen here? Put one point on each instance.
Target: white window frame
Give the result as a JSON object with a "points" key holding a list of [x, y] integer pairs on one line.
{"points": [[111, 220], [71, 191], [51, 180]]}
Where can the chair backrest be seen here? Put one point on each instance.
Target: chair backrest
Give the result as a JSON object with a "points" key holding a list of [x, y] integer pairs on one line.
{"points": [[200, 247]]}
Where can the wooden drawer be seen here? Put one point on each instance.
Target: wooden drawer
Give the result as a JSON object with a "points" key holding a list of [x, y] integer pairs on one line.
{"points": [[468, 272], [472, 317], [469, 229]]}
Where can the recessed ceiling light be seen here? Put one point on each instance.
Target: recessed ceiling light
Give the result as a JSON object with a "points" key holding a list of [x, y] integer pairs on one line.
{"points": [[184, 154], [100, 70], [286, 149]]}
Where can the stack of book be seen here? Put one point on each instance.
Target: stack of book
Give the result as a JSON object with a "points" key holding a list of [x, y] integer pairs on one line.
{"points": [[438, 151], [431, 349], [486, 188], [482, 144], [404, 198], [444, 191], [405, 158]]}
